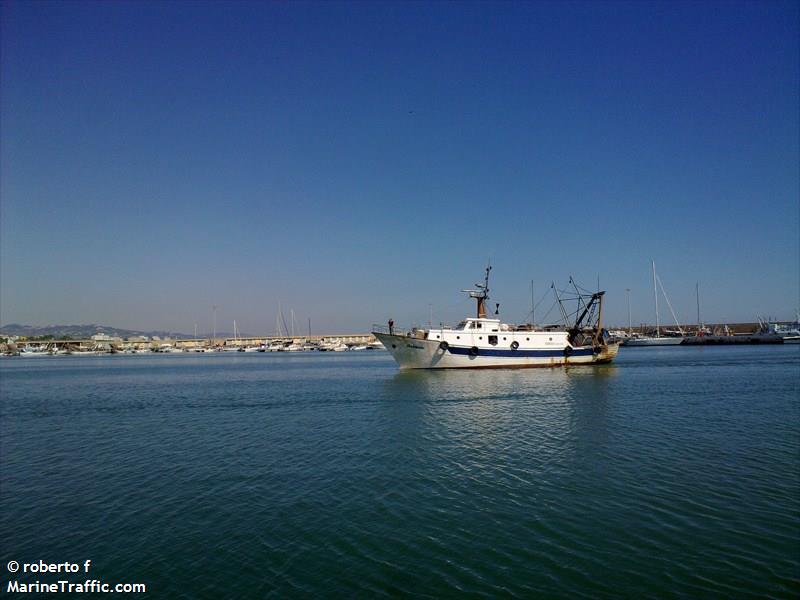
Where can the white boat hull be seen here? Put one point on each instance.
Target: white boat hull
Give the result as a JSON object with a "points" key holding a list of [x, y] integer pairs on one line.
{"points": [[415, 353]]}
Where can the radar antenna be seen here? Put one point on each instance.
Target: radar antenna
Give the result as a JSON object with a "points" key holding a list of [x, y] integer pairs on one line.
{"points": [[481, 294]]}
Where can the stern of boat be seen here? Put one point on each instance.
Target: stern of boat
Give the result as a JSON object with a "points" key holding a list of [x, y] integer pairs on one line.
{"points": [[607, 353]]}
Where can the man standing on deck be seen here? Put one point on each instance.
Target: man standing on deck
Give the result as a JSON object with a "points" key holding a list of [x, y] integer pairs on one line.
{"points": [[391, 326]]}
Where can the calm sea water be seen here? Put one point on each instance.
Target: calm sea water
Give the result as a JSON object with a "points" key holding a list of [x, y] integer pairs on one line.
{"points": [[673, 473]]}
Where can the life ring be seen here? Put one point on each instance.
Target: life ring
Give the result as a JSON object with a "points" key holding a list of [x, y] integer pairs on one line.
{"points": [[444, 345], [473, 351], [514, 345]]}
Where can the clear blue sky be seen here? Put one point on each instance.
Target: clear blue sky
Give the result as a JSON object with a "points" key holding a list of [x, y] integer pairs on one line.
{"points": [[356, 161]]}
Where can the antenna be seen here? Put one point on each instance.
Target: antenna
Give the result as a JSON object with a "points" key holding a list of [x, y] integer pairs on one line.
{"points": [[481, 294]]}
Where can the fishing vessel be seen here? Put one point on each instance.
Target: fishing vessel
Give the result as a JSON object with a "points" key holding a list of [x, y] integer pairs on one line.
{"points": [[484, 342], [789, 332]]}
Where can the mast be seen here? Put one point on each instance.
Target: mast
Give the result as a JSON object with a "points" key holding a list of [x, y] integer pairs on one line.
{"points": [[283, 319], [560, 304], [628, 290], [481, 294], [533, 307], [599, 327], [697, 291], [655, 296]]}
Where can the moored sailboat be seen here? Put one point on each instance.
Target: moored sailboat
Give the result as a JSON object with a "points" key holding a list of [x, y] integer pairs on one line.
{"points": [[657, 339]]}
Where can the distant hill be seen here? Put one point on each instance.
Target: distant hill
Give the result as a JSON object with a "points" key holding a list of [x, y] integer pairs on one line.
{"points": [[83, 331]]}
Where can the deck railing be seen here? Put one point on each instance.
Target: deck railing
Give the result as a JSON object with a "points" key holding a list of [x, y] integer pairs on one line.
{"points": [[413, 332]]}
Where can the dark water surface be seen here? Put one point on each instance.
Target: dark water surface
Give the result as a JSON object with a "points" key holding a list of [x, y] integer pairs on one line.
{"points": [[673, 473]]}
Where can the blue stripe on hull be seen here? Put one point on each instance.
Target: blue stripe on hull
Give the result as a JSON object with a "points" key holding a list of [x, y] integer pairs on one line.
{"points": [[520, 353]]}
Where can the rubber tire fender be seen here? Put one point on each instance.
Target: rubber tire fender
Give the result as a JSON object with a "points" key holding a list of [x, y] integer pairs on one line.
{"points": [[567, 351], [473, 351], [514, 345], [444, 345]]}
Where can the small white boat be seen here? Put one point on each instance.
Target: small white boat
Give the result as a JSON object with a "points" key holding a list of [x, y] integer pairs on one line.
{"points": [[33, 352], [168, 348]]}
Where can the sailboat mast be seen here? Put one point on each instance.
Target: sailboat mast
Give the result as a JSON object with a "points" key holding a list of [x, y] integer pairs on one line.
{"points": [[655, 296], [533, 307], [697, 291], [628, 292], [283, 319]]}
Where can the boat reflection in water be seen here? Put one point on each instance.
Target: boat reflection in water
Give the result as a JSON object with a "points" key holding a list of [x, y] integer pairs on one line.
{"points": [[517, 426]]}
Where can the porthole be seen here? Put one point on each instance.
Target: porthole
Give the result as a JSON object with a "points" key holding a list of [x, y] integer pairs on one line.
{"points": [[527, 339], [551, 339], [480, 337], [437, 337], [504, 339], [458, 337]]}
